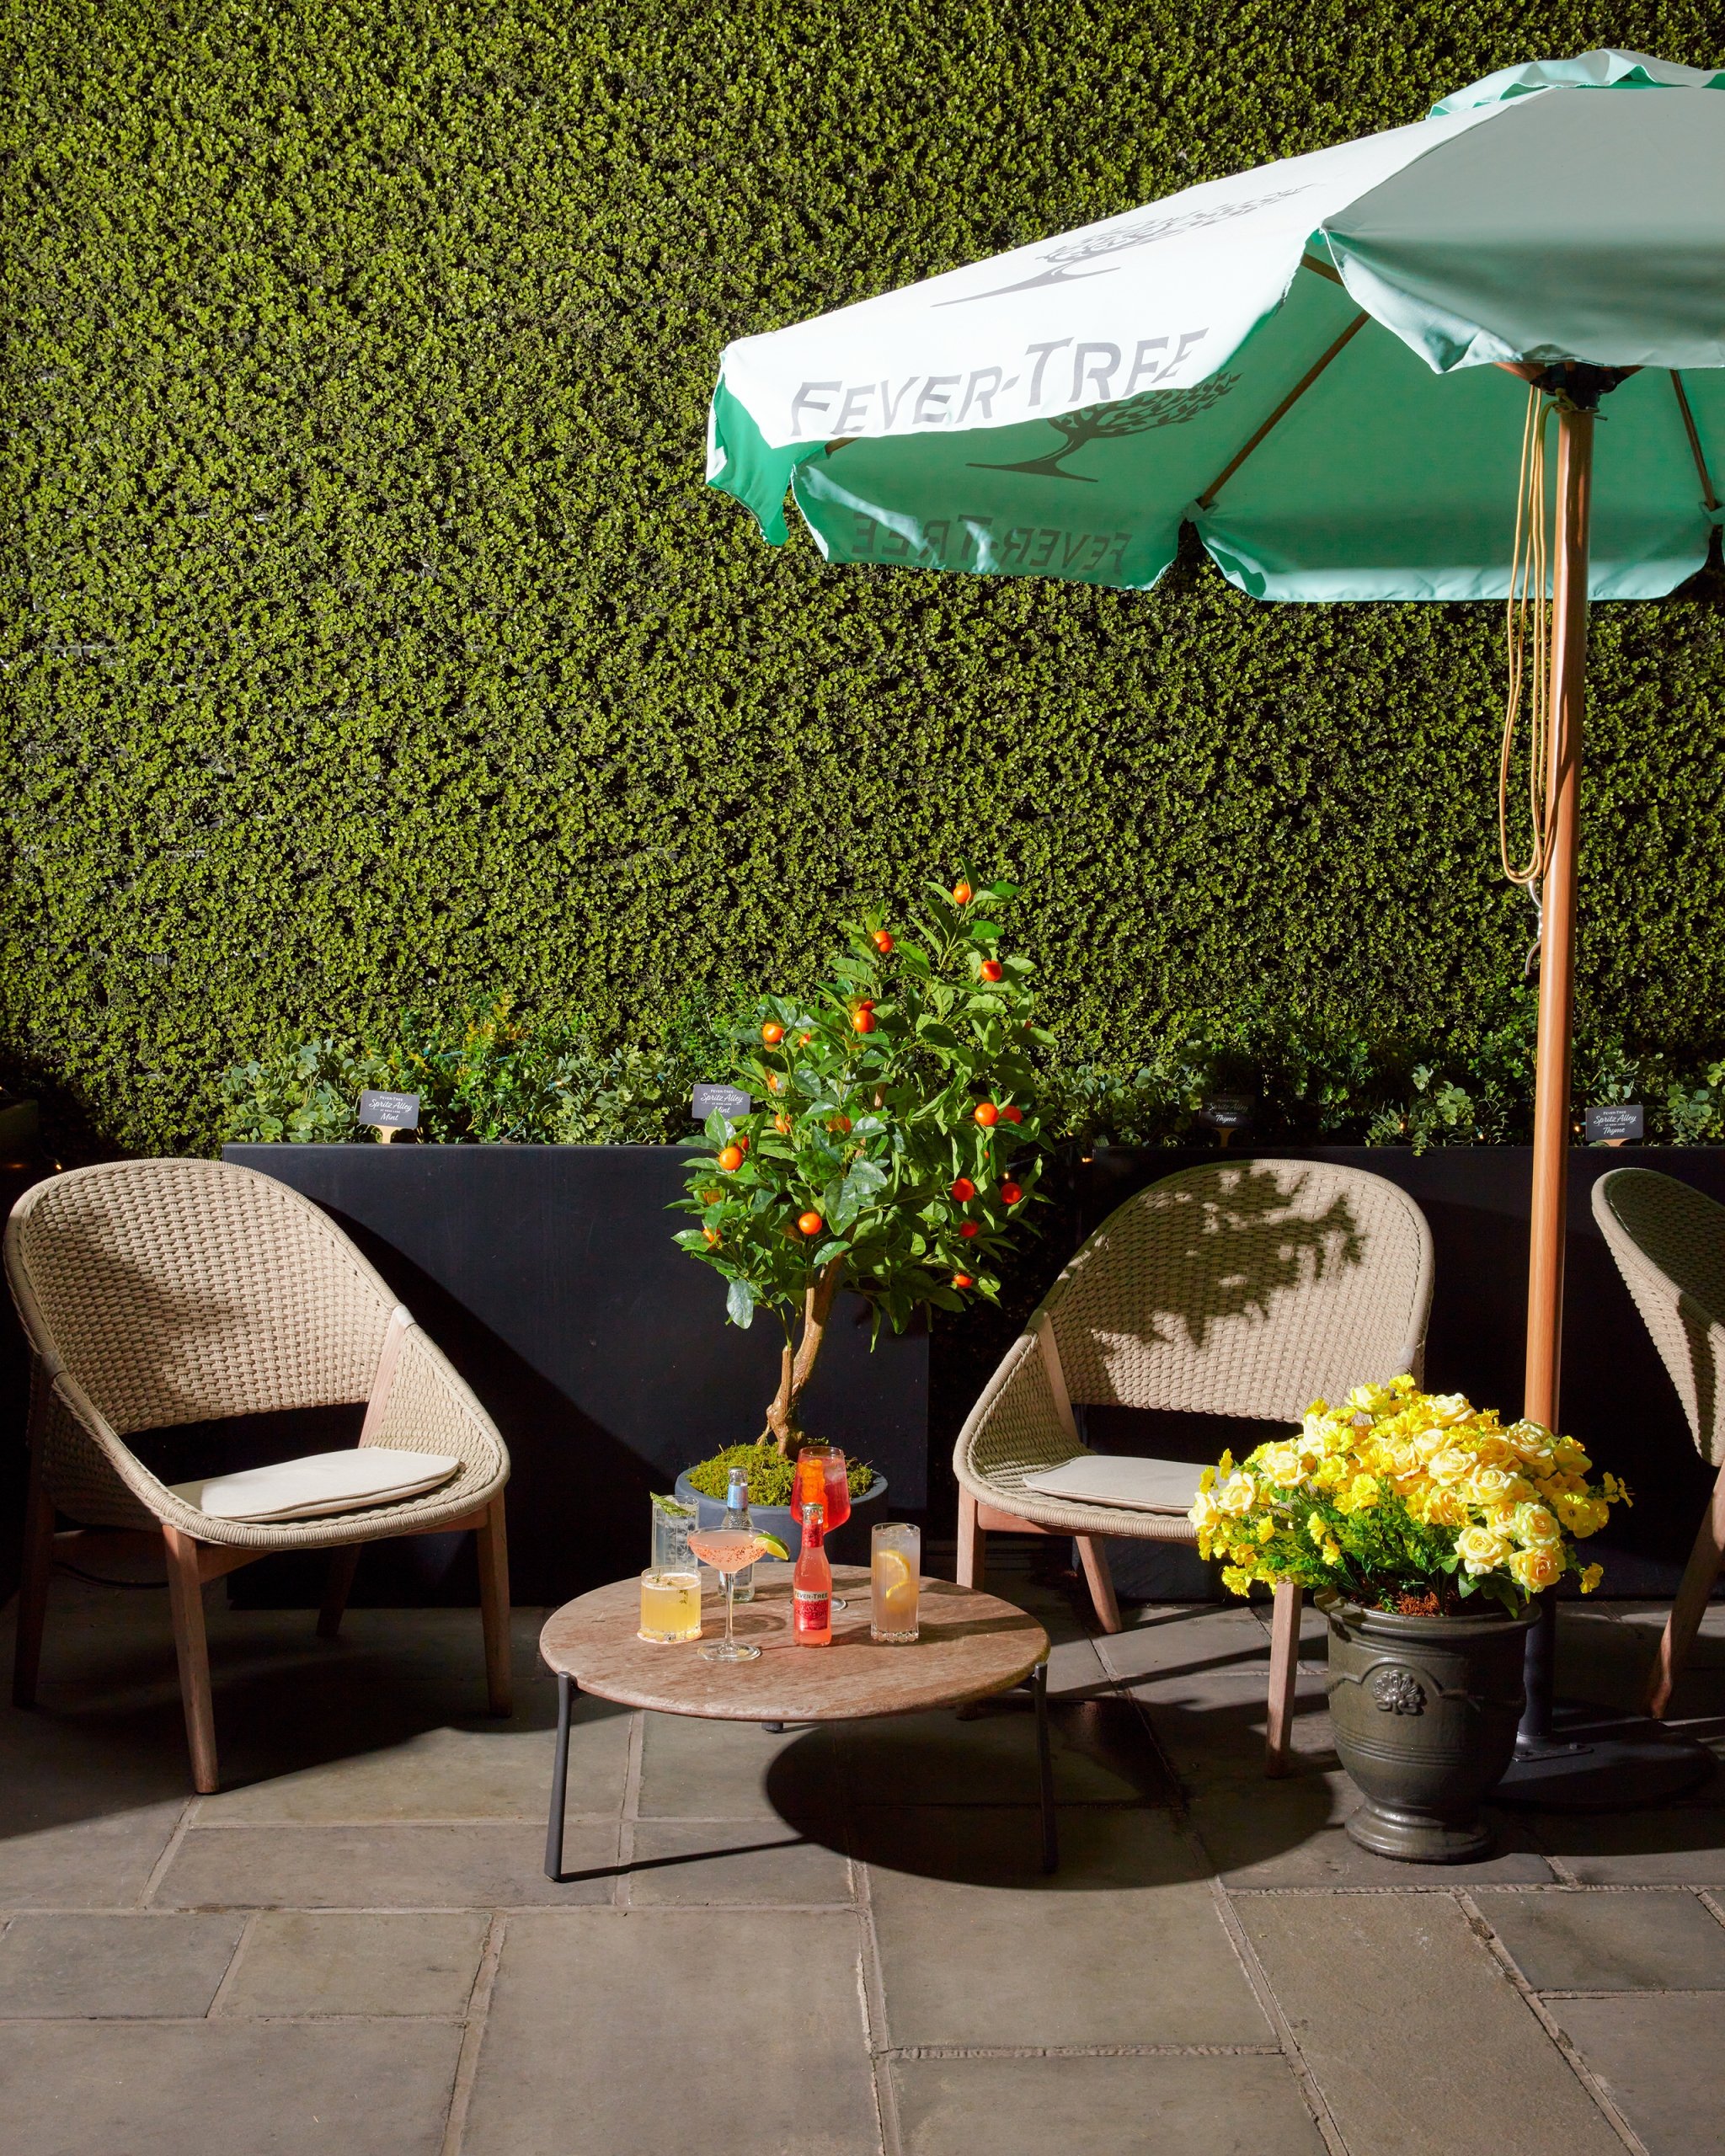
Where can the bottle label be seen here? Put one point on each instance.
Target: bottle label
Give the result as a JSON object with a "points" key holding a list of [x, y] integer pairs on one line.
{"points": [[813, 1609]]}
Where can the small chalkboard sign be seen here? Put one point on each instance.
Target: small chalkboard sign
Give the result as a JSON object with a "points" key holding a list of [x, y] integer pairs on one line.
{"points": [[388, 1113], [1227, 1111], [728, 1100], [1616, 1124]]}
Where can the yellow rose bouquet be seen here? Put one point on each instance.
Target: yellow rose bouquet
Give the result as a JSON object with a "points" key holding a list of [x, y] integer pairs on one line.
{"points": [[1406, 1500]]}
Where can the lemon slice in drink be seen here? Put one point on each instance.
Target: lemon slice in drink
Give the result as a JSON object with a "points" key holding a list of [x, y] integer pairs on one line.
{"points": [[771, 1547], [894, 1572]]}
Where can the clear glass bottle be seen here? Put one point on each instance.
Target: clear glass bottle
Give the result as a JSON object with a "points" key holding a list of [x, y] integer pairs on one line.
{"points": [[736, 1514], [811, 1583]]}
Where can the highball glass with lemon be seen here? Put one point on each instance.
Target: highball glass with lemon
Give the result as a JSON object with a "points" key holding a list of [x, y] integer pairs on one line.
{"points": [[895, 1564]]}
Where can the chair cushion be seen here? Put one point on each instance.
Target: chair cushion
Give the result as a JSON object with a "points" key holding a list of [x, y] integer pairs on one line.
{"points": [[322, 1482], [1146, 1485]]}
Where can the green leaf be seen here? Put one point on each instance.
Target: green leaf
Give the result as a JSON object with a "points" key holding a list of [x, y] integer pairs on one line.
{"points": [[740, 1303]]}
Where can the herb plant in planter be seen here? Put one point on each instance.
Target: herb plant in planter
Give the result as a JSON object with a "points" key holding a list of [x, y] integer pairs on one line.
{"points": [[895, 1150], [1425, 1529]]}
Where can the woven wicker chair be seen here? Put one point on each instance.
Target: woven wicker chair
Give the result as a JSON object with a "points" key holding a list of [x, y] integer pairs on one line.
{"points": [[1242, 1289], [1669, 1244], [162, 1293]]}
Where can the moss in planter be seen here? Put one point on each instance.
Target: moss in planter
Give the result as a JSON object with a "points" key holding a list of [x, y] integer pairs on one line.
{"points": [[769, 1476]]}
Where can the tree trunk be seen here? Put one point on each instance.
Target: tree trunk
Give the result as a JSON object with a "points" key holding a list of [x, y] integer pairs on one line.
{"points": [[784, 1422]]}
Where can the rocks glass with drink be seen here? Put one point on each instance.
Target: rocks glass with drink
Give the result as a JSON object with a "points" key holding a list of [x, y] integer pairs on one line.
{"points": [[895, 1566], [671, 1605]]}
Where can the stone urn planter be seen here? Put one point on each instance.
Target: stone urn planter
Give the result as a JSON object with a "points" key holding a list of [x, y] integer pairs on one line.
{"points": [[1425, 1711]]}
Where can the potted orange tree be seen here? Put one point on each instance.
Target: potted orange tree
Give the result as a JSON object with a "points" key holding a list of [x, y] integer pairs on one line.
{"points": [[1426, 1530], [893, 1150]]}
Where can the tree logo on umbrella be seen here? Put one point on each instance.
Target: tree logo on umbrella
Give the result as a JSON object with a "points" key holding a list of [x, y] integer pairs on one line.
{"points": [[1132, 415]]}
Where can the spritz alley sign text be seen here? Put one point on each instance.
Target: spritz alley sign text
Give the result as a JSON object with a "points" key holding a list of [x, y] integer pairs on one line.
{"points": [[389, 1111], [728, 1101], [1617, 1124]]}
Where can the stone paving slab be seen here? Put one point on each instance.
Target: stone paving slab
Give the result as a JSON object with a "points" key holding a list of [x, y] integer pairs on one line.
{"points": [[502, 1773], [1675, 1845], [1660, 2059], [1627, 1939], [474, 1867], [1291, 1833], [692, 1769], [308, 1962], [1417, 2039], [1186, 2106], [1025, 1961], [226, 2088], [1101, 1750], [731, 1861], [660, 2030], [103, 1968], [95, 1863]]}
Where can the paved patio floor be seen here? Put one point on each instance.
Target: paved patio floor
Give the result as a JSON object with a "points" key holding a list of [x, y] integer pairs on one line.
{"points": [[832, 1942]]}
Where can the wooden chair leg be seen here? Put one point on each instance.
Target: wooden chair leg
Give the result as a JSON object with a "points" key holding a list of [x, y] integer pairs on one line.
{"points": [[1095, 1561], [185, 1594], [32, 1587], [1705, 1561], [1284, 1672], [972, 1555], [494, 1608], [338, 1585]]}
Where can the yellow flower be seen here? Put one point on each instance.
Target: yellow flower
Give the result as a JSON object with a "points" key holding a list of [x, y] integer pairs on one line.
{"points": [[1332, 1553], [1536, 1570], [1280, 1465], [1365, 1493], [1536, 1529], [1481, 1550], [1266, 1530], [1452, 1465], [1239, 1496], [1314, 1526], [1236, 1579], [1486, 1485], [1591, 1578]]}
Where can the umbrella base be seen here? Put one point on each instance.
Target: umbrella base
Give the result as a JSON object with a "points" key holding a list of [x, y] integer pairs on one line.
{"points": [[1598, 1758]]}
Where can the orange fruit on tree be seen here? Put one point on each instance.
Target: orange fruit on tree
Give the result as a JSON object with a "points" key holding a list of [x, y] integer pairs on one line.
{"points": [[709, 1197], [773, 1035], [882, 941], [838, 1123], [968, 1228], [1011, 1115], [986, 1113], [775, 1084], [862, 1020], [804, 1039], [992, 969], [963, 1190], [810, 1223], [962, 892], [712, 1235], [781, 1124], [1010, 1192], [731, 1159], [962, 1280]]}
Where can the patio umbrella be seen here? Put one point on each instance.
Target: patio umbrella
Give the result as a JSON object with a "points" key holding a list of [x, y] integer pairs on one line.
{"points": [[1324, 366]]}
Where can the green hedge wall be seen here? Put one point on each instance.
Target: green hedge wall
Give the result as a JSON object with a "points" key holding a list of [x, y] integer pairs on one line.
{"points": [[374, 641]]}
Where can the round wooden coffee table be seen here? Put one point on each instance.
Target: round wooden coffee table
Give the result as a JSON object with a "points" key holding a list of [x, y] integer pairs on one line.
{"points": [[972, 1645]]}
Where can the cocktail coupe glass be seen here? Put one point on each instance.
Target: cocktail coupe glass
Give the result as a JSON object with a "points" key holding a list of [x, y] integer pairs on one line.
{"points": [[728, 1549], [834, 1493]]}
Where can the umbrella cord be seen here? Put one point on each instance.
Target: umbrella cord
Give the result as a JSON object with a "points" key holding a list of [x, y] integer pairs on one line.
{"points": [[1528, 640]]}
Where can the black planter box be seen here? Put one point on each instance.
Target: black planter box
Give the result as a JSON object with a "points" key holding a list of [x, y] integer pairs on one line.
{"points": [[547, 1275]]}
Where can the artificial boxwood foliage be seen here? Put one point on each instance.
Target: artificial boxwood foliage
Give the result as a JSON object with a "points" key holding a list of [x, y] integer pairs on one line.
{"points": [[372, 640]]}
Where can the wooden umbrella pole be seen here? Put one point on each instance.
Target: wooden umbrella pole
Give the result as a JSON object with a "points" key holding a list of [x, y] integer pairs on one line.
{"points": [[1557, 1005], [1557, 1011]]}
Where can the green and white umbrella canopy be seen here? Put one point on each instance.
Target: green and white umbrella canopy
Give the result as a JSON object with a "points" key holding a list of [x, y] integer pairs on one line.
{"points": [[1060, 410]]}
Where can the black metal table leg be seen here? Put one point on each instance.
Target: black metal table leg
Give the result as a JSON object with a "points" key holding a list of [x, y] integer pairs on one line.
{"points": [[1045, 1771], [559, 1779]]}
